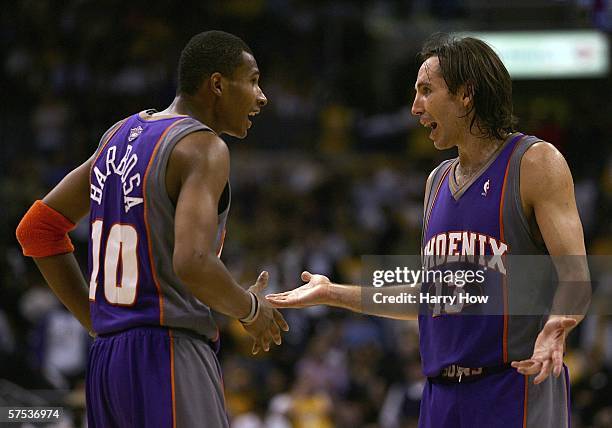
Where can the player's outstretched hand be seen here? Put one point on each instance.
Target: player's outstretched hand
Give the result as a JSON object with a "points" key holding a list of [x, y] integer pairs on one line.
{"points": [[314, 292], [548, 350], [266, 328]]}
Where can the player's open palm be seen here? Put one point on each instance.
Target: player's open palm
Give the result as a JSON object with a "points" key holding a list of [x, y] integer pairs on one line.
{"points": [[548, 350], [314, 292], [267, 326]]}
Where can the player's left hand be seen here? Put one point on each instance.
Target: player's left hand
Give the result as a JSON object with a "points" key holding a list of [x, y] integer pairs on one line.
{"points": [[314, 292], [548, 350], [267, 326]]}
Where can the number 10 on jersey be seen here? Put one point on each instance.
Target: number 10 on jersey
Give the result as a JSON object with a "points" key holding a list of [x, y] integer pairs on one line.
{"points": [[121, 251]]}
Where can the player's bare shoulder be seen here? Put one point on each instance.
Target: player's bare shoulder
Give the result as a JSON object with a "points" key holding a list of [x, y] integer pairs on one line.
{"points": [[201, 146], [544, 172], [198, 153]]}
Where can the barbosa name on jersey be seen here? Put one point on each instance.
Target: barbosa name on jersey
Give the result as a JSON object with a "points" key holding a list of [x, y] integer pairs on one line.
{"points": [[465, 246], [123, 169]]}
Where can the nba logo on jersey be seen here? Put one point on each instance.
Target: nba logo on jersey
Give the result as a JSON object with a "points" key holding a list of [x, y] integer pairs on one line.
{"points": [[485, 188], [134, 133]]}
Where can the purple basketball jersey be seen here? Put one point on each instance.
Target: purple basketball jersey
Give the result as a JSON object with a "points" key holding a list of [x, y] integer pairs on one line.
{"points": [[466, 227], [154, 355], [122, 290], [132, 282], [466, 221]]}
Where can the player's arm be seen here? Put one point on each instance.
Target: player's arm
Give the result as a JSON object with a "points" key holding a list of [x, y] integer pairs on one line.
{"points": [[547, 192], [43, 235], [200, 161], [319, 290], [203, 160]]}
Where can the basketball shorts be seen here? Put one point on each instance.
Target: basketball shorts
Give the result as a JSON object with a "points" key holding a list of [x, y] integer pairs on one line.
{"points": [[504, 399], [155, 378]]}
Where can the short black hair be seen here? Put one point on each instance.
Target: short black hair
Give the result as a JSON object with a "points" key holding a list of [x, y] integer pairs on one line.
{"points": [[207, 53], [471, 62]]}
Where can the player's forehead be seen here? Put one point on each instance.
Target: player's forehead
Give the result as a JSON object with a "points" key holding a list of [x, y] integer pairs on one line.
{"points": [[429, 73]]}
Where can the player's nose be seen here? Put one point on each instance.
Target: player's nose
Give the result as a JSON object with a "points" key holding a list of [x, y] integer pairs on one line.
{"points": [[262, 100], [417, 107]]}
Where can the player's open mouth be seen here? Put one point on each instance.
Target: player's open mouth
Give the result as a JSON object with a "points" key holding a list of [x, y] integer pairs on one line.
{"points": [[252, 114], [430, 125]]}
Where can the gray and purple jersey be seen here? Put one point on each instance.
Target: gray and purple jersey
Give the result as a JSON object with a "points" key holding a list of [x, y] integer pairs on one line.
{"points": [[483, 217], [132, 282]]}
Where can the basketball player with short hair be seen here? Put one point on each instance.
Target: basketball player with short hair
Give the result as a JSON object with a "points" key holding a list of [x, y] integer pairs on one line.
{"points": [[158, 195], [506, 194]]}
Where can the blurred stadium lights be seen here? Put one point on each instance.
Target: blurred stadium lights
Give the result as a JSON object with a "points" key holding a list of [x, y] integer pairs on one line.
{"points": [[550, 54]]}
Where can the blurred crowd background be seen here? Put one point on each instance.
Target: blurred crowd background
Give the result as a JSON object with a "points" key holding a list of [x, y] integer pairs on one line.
{"points": [[333, 168]]}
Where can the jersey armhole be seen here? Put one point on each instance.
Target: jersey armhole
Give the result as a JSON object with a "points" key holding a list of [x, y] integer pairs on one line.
{"points": [[167, 153], [517, 199]]}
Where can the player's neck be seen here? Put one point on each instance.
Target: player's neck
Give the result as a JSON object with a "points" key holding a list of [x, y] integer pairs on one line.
{"points": [[183, 105], [475, 151]]}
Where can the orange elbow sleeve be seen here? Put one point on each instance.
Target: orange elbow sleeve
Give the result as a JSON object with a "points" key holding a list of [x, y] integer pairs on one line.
{"points": [[43, 232]]}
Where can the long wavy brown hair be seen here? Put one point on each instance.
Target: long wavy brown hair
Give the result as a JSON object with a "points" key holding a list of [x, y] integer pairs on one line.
{"points": [[470, 62]]}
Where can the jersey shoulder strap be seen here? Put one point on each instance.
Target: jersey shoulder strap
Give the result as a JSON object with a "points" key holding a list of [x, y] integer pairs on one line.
{"points": [[437, 176]]}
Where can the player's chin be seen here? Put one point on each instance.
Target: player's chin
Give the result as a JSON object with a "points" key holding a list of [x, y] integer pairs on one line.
{"points": [[239, 132], [245, 129], [441, 144]]}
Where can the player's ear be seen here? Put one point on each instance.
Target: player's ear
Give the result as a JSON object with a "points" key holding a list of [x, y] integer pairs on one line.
{"points": [[467, 95], [216, 83]]}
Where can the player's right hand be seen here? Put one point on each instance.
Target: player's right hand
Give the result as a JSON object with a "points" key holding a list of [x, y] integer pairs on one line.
{"points": [[266, 328], [316, 291], [548, 350]]}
